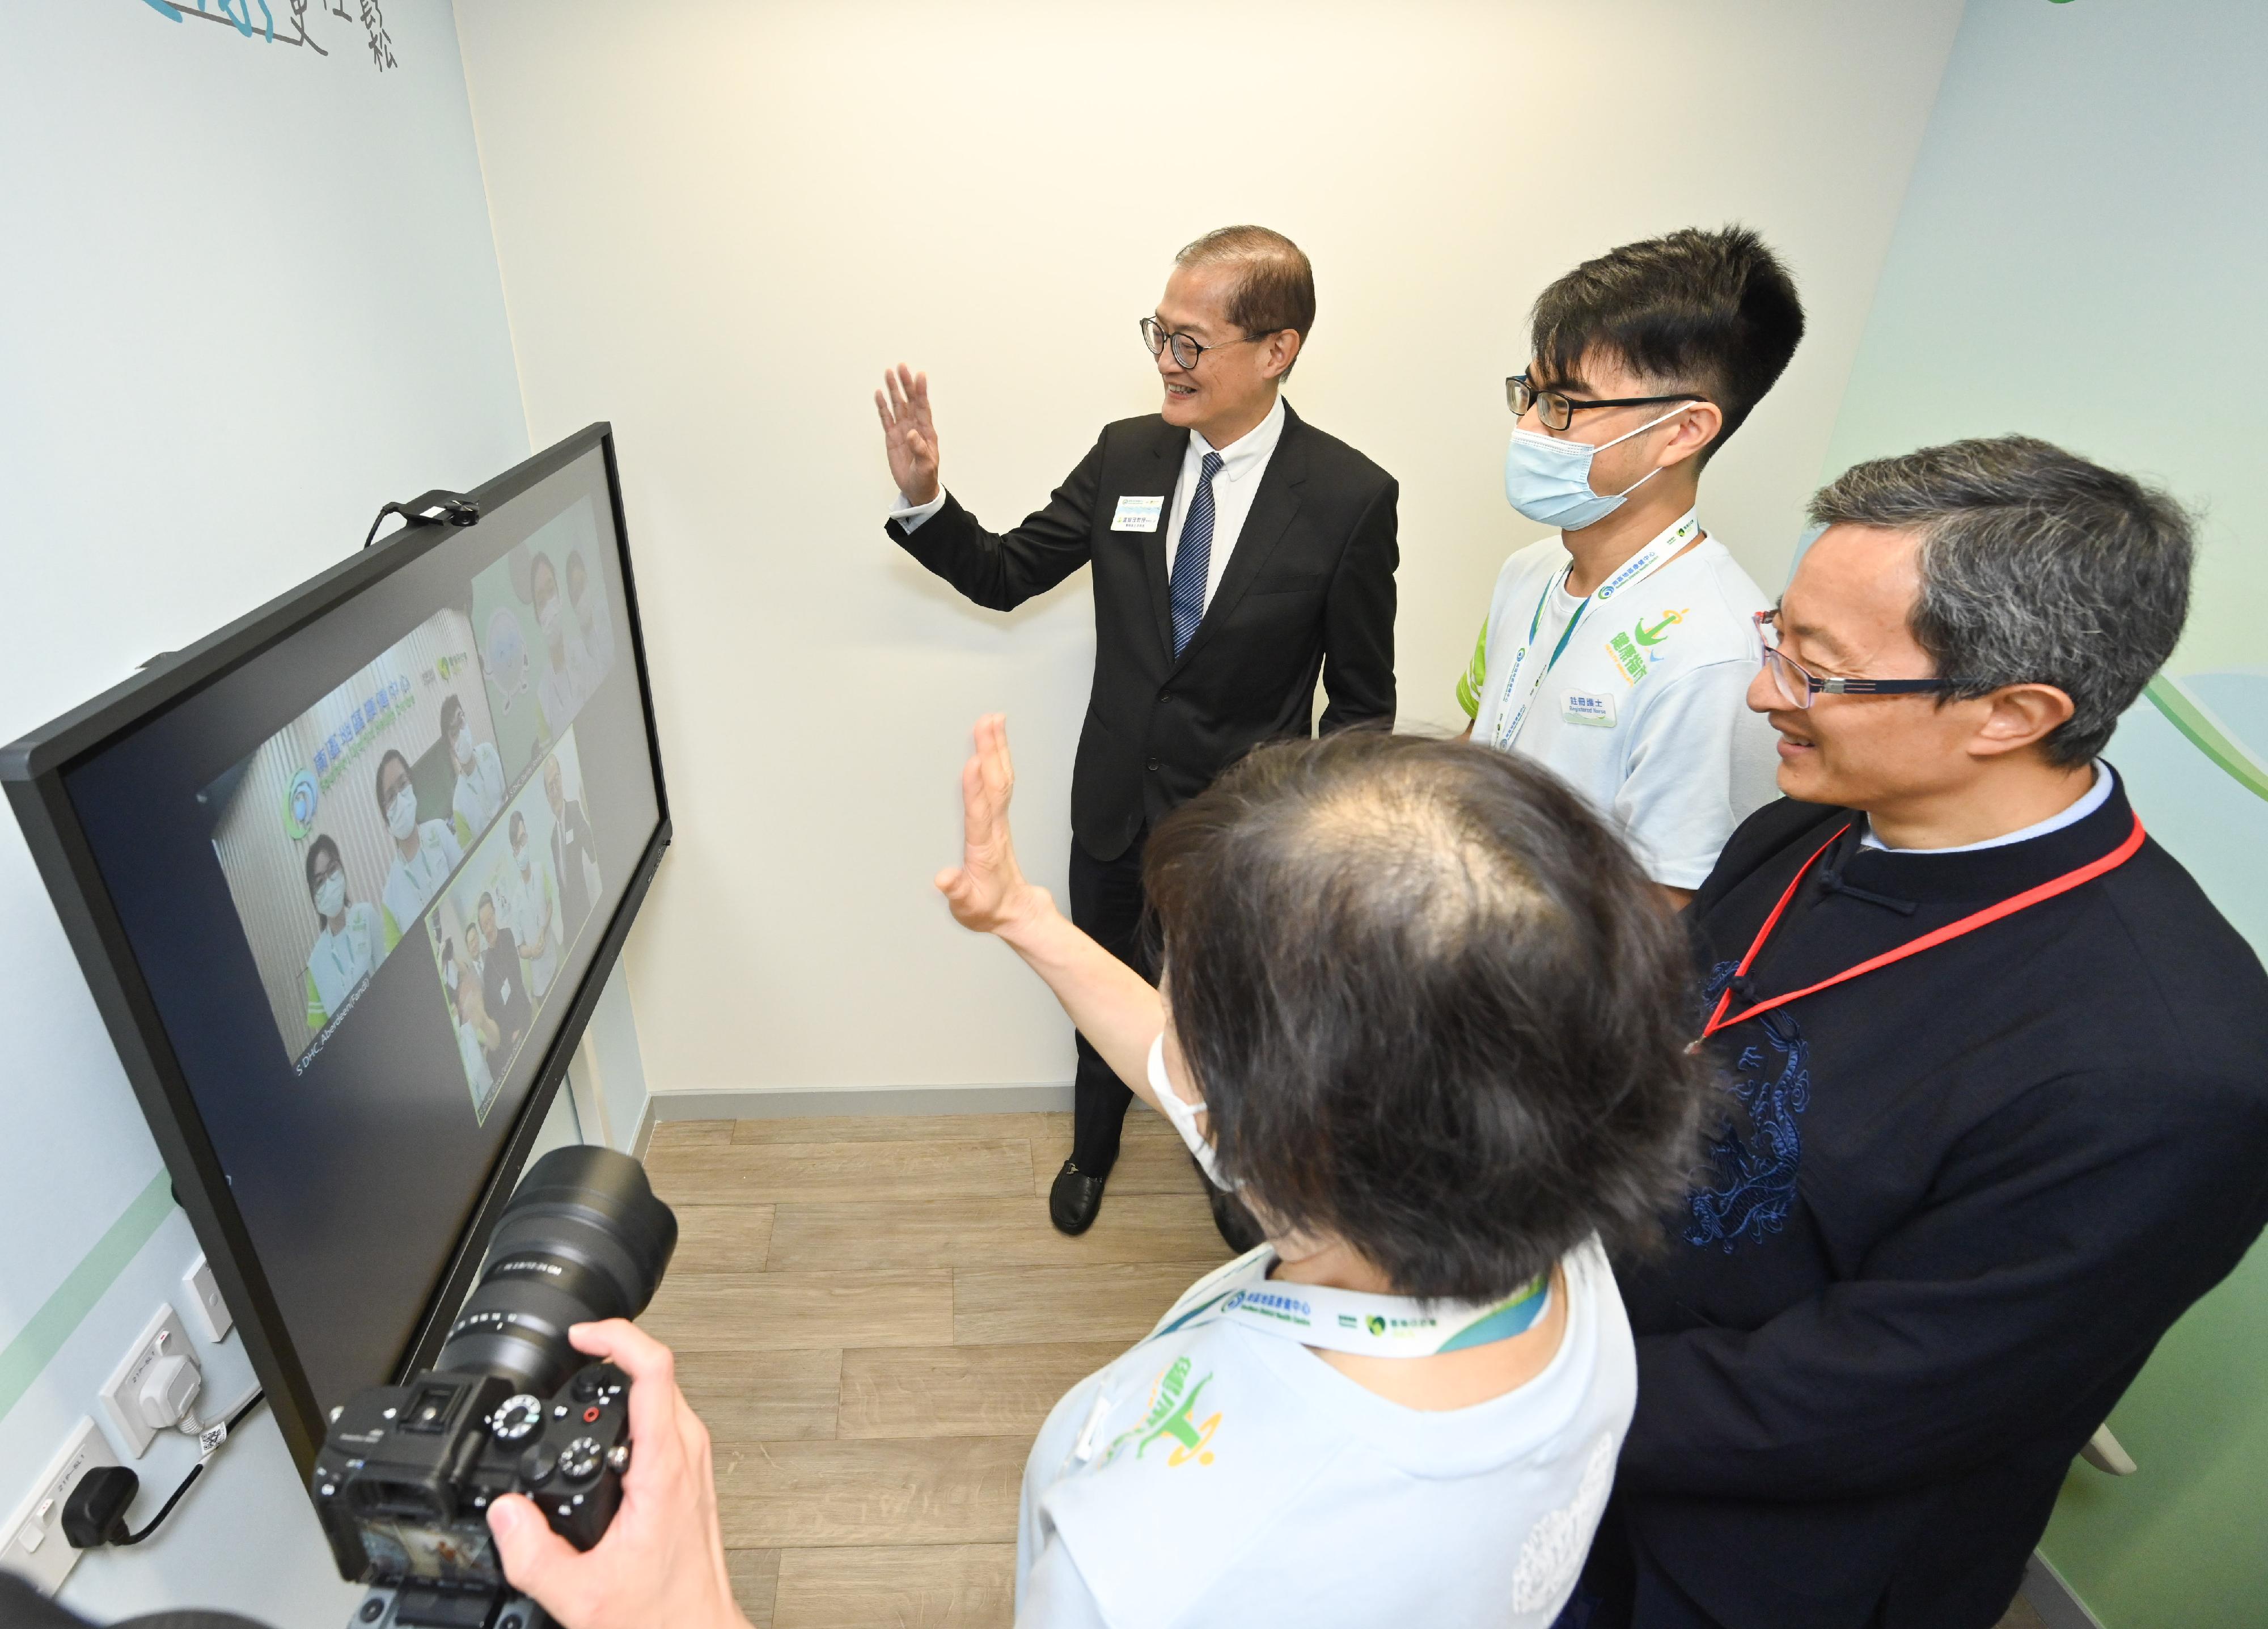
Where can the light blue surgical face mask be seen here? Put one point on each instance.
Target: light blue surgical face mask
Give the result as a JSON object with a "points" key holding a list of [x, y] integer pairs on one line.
{"points": [[1183, 1115], [1549, 480]]}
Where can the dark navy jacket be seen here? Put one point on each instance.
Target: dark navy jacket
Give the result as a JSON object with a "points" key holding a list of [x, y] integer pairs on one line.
{"points": [[1949, 1208]]}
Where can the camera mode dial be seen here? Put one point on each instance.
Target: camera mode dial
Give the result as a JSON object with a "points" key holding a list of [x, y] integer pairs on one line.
{"points": [[515, 1417], [579, 1459]]}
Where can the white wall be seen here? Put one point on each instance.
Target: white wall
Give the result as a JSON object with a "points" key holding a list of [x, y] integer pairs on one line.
{"points": [[718, 222], [251, 295]]}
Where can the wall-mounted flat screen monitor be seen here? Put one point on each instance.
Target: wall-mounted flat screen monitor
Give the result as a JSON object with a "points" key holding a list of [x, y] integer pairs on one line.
{"points": [[346, 877]]}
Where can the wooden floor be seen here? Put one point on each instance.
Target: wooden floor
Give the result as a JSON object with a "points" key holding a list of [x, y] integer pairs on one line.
{"points": [[874, 1316]]}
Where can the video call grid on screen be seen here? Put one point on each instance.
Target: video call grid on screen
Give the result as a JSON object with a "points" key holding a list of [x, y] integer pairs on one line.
{"points": [[390, 811]]}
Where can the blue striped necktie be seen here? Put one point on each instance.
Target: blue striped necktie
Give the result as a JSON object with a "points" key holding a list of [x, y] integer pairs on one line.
{"points": [[1193, 559]]}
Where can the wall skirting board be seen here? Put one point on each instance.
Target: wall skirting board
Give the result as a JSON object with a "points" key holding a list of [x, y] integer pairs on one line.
{"points": [[2052, 1598], [785, 1102]]}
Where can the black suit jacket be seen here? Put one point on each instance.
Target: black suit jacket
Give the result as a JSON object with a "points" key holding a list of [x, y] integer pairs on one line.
{"points": [[504, 985], [1308, 589]]}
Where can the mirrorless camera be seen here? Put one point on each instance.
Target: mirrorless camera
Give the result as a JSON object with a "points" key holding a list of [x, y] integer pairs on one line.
{"points": [[407, 1473]]}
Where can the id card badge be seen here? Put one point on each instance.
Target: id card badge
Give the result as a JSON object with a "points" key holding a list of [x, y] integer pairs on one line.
{"points": [[1138, 514], [1589, 707]]}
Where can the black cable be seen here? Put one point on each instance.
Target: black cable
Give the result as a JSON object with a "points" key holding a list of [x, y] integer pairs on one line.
{"points": [[433, 508], [166, 1509]]}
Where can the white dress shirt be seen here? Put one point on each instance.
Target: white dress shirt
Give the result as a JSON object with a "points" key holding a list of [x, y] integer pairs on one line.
{"points": [[1242, 463], [2093, 799]]}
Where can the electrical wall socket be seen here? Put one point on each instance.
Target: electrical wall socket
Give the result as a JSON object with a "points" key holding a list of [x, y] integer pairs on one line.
{"points": [[206, 1307], [33, 1545], [163, 1338]]}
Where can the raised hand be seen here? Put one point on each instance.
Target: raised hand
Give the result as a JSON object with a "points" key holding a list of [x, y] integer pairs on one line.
{"points": [[908, 432], [987, 890]]}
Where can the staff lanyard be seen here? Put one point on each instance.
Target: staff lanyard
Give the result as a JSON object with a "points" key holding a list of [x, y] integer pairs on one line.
{"points": [[1378, 1326], [1384, 1326], [1633, 572], [1969, 923]]}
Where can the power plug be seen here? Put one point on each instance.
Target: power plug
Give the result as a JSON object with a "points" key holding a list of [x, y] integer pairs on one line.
{"points": [[95, 1513], [169, 1389]]}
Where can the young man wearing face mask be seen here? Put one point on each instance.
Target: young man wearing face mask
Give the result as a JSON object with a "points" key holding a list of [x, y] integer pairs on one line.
{"points": [[590, 609], [1238, 552], [567, 681], [425, 853], [478, 798], [535, 911], [1617, 652], [348, 945]]}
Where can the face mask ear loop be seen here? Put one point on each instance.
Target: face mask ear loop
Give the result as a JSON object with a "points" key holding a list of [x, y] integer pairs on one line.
{"points": [[1640, 431]]}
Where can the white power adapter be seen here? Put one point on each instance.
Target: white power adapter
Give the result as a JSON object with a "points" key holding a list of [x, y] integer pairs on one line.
{"points": [[156, 1386], [168, 1392]]}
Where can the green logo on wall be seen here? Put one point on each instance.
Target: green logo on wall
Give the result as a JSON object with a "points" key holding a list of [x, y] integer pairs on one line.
{"points": [[299, 799]]}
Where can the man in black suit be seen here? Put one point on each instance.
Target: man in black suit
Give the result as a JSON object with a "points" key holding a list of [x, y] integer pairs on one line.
{"points": [[503, 983], [1239, 552]]}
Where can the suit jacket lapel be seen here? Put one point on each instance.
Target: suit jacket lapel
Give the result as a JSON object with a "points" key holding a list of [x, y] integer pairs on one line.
{"points": [[1273, 507], [1167, 451]]}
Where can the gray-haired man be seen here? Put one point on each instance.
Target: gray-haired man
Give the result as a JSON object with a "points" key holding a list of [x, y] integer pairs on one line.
{"points": [[1996, 1111]]}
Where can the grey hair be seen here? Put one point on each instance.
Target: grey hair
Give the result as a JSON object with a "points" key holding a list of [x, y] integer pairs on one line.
{"points": [[2037, 567]]}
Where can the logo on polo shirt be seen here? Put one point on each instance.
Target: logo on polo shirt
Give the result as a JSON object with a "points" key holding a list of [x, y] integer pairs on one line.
{"points": [[1633, 652], [1659, 632], [1172, 1405]]}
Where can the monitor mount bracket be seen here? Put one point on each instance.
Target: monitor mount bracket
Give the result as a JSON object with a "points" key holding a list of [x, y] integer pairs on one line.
{"points": [[433, 508]]}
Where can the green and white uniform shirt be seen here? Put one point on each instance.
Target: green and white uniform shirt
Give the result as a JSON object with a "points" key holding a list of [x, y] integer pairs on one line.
{"points": [[410, 884], [338, 962], [1217, 1474], [1637, 696]]}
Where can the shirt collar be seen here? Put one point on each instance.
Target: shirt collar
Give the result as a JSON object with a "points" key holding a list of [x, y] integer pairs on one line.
{"points": [[1249, 451], [2093, 799]]}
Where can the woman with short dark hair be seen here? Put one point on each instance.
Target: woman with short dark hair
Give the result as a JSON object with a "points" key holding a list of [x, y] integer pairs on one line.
{"points": [[1424, 1012], [349, 945]]}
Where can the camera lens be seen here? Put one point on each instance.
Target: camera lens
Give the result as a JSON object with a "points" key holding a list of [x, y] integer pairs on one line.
{"points": [[582, 1238]]}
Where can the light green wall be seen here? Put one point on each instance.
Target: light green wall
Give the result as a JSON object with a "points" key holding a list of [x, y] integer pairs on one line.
{"points": [[2080, 257]]}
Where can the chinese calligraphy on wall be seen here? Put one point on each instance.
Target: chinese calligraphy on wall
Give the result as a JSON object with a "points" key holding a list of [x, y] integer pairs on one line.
{"points": [[367, 15]]}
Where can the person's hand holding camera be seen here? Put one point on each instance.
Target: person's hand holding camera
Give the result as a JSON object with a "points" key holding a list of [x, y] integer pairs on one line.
{"points": [[662, 1560]]}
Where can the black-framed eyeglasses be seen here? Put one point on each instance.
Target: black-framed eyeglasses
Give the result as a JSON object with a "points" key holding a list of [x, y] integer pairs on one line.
{"points": [[1800, 687], [1556, 410], [1186, 351]]}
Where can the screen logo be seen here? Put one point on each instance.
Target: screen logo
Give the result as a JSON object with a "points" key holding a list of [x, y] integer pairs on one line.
{"points": [[299, 800]]}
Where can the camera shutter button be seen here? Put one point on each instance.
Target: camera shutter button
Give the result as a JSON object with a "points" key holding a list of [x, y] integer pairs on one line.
{"points": [[537, 1465]]}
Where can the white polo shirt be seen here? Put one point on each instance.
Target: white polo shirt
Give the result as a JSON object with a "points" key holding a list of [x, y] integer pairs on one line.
{"points": [[1645, 710], [1217, 1475]]}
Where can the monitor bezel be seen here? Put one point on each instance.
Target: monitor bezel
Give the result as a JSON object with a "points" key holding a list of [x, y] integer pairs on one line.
{"points": [[35, 768]]}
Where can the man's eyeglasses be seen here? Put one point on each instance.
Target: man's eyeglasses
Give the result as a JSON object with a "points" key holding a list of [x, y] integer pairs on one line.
{"points": [[1186, 351], [1556, 410], [1800, 687]]}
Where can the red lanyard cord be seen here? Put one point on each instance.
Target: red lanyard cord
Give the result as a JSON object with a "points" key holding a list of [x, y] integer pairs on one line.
{"points": [[1969, 923]]}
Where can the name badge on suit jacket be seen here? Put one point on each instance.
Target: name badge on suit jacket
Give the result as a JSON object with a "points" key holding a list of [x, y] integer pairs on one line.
{"points": [[1137, 514]]}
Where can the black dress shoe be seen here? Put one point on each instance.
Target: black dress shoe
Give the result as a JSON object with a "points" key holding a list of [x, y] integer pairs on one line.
{"points": [[1074, 1200]]}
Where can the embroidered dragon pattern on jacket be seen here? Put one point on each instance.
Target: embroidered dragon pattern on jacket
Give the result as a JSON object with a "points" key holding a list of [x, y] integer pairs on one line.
{"points": [[1755, 1172]]}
